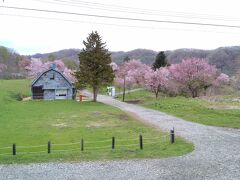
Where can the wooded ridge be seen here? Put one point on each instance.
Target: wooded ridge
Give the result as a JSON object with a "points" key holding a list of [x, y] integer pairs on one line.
{"points": [[227, 59]]}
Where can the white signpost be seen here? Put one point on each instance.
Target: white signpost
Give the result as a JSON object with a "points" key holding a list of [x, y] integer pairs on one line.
{"points": [[111, 91]]}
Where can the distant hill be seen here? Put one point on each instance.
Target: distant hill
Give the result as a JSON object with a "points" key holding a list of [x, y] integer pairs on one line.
{"points": [[62, 54], [9, 63], [146, 56], [227, 59]]}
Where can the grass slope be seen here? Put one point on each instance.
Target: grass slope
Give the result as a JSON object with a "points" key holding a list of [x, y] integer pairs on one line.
{"points": [[214, 113], [34, 123]]}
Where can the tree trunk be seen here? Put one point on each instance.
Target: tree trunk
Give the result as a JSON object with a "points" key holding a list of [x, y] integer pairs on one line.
{"points": [[95, 92], [194, 93], [157, 91], [156, 94], [205, 92]]}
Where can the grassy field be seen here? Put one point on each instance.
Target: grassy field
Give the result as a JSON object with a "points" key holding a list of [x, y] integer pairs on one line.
{"points": [[34, 123], [222, 111]]}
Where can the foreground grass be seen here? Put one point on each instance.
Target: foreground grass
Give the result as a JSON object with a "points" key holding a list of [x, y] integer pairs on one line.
{"points": [[34, 123], [214, 113]]}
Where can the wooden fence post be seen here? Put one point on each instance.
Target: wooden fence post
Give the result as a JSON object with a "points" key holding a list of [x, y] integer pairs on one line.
{"points": [[14, 149], [172, 138], [140, 141], [113, 142], [82, 145], [49, 147]]}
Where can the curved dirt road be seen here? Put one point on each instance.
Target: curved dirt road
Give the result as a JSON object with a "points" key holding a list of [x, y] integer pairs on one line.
{"points": [[216, 155]]}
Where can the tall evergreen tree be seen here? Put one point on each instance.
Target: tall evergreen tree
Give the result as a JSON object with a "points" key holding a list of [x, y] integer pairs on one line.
{"points": [[126, 59], [51, 57], [94, 67], [160, 60]]}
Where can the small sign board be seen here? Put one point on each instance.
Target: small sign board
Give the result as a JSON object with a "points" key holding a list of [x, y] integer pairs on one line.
{"points": [[111, 91]]}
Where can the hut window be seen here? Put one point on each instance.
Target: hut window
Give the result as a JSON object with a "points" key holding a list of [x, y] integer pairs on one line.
{"points": [[52, 76]]}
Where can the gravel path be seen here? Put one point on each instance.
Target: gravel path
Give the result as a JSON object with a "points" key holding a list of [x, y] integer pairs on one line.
{"points": [[216, 155]]}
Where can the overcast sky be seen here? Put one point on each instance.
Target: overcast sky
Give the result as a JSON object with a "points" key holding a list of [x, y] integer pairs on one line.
{"points": [[27, 34]]}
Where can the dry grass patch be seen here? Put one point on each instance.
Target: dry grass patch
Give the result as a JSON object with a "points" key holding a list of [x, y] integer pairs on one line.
{"points": [[60, 125], [99, 124], [223, 107]]}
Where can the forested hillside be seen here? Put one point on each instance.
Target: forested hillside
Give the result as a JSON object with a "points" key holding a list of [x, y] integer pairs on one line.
{"points": [[146, 56], [227, 59], [9, 64]]}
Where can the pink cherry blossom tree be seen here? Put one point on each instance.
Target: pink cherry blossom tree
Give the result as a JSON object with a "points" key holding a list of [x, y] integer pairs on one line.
{"points": [[37, 66], [221, 80], [24, 63], [131, 73], [157, 81], [134, 70], [114, 67], [218, 83], [194, 75], [2, 67]]}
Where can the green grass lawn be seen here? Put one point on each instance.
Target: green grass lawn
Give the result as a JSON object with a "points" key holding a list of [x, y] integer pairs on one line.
{"points": [[34, 123], [214, 113]]}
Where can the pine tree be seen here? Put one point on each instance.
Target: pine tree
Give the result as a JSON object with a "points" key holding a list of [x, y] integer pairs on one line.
{"points": [[160, 60], [126, 59], [94, 67]]}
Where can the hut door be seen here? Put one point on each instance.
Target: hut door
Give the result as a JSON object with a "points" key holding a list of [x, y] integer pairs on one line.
{"points": [[37, 92], [61, 94]]}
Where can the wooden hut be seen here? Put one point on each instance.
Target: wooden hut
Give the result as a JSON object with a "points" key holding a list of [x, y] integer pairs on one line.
{"points": [[52, 85]]}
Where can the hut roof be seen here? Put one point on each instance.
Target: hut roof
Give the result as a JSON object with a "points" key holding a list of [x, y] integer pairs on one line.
{"points": [[51, 69]]}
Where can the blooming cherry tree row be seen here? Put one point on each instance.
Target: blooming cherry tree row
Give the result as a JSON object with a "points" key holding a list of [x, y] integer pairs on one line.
{"points": [[191, 76]]}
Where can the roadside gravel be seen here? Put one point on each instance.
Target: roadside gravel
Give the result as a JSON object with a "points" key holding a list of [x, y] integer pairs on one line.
{"points": [[216, 155]]}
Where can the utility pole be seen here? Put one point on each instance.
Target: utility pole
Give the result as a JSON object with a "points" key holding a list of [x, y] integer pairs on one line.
{"points": [[124, 88]]}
